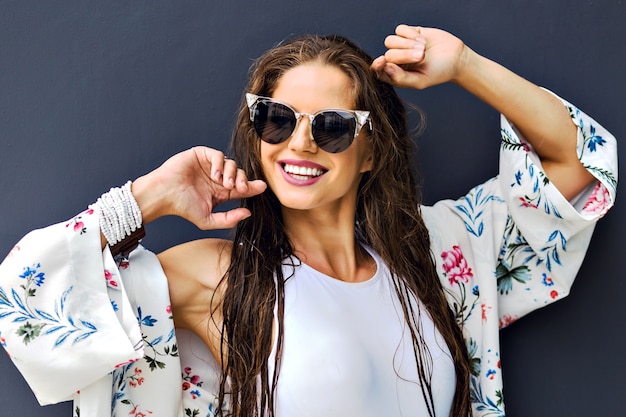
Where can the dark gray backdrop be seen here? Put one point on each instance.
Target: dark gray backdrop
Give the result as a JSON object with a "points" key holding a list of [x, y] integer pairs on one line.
{"points": [[95, 93]]}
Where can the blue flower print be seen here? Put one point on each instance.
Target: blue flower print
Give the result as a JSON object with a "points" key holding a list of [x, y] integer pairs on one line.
{"points": [[594, 139], [471, 208], [546, 280], [146, 321], [483, 403], [32, 275], [35, 322]]}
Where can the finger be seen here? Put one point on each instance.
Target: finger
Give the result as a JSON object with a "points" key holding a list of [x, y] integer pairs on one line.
{"points": [[399, 42], [216, 159], [227, 219], [252, 188], [241, 181], [378, 66], [409, 32], [401, 78], [229, 173], [405, 56]]}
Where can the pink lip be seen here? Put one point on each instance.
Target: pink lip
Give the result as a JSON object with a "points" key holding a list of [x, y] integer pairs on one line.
{"points": [[301, 163]]}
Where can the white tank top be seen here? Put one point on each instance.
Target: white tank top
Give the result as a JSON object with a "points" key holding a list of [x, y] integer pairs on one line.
{"points": [[348, 351]]}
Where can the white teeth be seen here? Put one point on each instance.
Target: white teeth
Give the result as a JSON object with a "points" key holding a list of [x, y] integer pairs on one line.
{"points": [[302, 172]]}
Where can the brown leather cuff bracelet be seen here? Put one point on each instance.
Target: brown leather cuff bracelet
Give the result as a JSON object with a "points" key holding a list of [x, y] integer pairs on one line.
{"points": [[130, 242]]}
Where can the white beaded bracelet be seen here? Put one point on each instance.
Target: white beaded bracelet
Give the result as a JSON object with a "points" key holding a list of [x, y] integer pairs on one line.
{"points": [[120, 219]]}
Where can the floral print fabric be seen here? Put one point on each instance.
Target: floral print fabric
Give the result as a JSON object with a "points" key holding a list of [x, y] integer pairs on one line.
{"points": [[80, 325], [514, 244]]}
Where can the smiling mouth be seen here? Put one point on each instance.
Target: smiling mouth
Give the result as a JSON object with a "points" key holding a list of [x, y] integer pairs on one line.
{"points": [[302, 173]]}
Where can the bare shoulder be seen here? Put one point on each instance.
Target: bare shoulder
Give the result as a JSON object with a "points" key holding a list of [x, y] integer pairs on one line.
{"points": [[204, 260], [194, 270]]}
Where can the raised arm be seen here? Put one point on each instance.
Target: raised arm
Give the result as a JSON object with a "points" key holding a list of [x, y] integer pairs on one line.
{"points": [[190, 185], [420, 57], [65, 302]]}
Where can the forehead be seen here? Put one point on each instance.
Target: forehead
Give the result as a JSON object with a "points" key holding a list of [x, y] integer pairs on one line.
{"points": [[315, 86]]}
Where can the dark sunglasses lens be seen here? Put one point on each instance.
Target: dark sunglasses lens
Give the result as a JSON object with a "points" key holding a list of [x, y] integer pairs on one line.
{"points": [[333, 131], [273, 122]]}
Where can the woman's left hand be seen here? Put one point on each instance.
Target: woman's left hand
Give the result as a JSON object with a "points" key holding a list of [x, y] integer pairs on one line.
{"points": [[419, 57]]}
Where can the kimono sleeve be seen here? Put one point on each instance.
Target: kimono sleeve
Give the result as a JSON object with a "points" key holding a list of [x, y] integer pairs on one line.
{"points": [[545, 236], [57, 320], [514, 244]]}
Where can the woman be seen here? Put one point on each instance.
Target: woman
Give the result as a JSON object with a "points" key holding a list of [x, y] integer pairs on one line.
{"points": [[329, 300]]}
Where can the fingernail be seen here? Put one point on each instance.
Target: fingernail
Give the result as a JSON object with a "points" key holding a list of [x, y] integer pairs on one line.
{"points": [[231, 182], [217, 175]]}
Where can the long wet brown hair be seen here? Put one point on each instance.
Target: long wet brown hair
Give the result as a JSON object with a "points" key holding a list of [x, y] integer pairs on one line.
{"points": [[388, 220]]}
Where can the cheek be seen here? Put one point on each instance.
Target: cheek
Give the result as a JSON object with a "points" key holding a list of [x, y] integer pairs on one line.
{"points": [[267, 154], [366, 157], [264, 153]]}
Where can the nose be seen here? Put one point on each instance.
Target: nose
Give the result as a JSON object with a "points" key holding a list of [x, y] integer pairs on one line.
{"points": [[301, 139]]}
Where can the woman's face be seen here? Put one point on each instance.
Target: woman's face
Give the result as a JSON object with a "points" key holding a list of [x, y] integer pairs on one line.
{"points": [[303, 176]]}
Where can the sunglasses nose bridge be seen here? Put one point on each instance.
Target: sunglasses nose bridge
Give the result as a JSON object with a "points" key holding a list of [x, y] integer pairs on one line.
{"points": [[299, 117], [303, 140]]}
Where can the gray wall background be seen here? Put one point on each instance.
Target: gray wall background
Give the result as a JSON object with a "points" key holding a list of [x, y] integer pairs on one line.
{"points": [[95, 93]]}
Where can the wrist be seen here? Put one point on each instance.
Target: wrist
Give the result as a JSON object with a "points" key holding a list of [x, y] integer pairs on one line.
{"points": [[145, 190], [120, 219], [468, 68]]}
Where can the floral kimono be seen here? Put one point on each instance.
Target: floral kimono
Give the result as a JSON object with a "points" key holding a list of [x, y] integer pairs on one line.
{"points": [[82, 326]]}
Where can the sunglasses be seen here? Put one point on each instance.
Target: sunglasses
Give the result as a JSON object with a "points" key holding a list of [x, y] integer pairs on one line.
{"points": [[333, 130]]}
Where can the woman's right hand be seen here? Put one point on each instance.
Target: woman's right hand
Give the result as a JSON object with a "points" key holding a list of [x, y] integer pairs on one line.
{"points": [[191, 184], [420, 57]]}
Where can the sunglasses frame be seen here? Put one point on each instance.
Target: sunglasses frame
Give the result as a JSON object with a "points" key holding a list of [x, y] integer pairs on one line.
{"points": [[361, 116]]}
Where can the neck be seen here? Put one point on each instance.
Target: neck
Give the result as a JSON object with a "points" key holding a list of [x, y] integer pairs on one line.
{"points": [[325, 240]]}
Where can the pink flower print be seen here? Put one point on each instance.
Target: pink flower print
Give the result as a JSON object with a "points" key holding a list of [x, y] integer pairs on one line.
{"points": [[16, 248], [136, 379], [598, 201], [78, 226], [136, 413], [109, 278], [89, 211], [507, 320], [554, 294], [484, 309], [119, 365], [189, 379], [168, 309], [455, 266], [527, 202]]}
